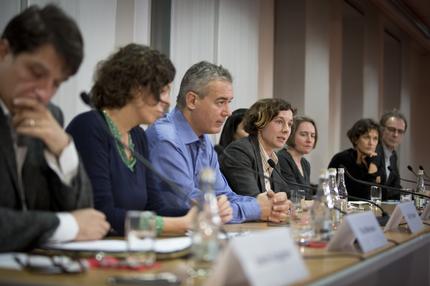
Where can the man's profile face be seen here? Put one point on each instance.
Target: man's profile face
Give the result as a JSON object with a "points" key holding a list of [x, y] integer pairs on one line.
{"points": [[392, 132], [212, 110], [36, 74]]}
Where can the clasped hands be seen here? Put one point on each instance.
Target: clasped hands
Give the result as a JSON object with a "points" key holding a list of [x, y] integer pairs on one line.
{"points": [[275, 207], [368, 160]]}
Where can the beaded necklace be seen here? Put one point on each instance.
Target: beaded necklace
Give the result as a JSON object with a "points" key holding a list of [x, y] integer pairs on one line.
{"points": [[130, 163]]}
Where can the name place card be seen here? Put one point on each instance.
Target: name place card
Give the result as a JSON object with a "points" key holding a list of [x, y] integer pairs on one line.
{"points": [[362, 227], [260, 258], [408, 211]]}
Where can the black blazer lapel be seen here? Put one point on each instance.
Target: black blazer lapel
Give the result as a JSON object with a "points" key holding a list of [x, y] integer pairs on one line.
{"points": [[257, 156], [6, 147]]}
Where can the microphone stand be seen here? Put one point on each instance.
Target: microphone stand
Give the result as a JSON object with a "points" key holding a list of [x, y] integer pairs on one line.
{"points": [[406, 180], [382, 186]]}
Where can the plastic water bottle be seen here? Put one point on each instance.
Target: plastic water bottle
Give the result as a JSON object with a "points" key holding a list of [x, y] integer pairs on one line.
{"points": [[332, 184], [205, 243], [420, 202], [321, 209], [341, 188]]}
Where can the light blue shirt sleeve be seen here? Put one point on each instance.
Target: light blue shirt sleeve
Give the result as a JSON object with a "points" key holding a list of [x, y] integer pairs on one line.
{"points": [[181, 159]]}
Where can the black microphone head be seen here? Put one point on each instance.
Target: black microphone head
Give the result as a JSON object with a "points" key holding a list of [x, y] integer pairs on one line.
{"points": [[410, 168], [86, 98], [271, 163], [421, 167], [389, 168]]}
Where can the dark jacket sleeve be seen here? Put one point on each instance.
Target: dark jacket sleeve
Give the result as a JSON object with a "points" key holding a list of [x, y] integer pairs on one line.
{"points": [[22, 231], [79, 194], [239, 167], [45, 195]]}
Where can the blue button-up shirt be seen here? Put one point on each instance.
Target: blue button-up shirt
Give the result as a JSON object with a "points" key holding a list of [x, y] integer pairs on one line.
{"points": [[180, 155]]}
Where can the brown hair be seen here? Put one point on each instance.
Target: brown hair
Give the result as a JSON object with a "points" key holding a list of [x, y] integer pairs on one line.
{"points": [[297, 121], [361, 127], [262, 112], [131, 67]]}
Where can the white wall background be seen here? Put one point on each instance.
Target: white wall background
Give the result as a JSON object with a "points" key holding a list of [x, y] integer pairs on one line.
{"points": [[219, 31]]}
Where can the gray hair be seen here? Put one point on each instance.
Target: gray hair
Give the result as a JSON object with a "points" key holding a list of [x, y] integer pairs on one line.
{"points": [[197, 77], [393, 113]]}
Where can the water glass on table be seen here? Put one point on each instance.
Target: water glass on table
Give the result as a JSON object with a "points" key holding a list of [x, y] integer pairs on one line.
{"points": [[406, 197], [376, 194], [141, 232], [297, 197]]}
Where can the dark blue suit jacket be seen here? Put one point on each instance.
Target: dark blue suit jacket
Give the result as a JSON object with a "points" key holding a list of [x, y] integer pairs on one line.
{"points": [[44, 193]]}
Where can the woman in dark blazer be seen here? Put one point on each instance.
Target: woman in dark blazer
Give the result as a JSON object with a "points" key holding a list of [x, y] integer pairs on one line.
{"points": [[245, 161], [361, 161], [303, 139]]}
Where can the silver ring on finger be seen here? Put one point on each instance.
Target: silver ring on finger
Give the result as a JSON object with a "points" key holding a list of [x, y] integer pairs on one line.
{"points": [[32, 122]]}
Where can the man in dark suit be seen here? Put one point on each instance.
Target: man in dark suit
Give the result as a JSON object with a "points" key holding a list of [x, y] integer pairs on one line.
{"points": [[42, 183], [393, 126]]}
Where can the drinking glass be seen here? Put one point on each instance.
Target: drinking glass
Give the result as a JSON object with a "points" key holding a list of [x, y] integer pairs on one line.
{"points": [[406, 197], [297, 197], [375, 194], [140, 231]]}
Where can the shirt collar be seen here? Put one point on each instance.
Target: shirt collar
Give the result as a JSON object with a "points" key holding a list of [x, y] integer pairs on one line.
{"points": [[387, 152], [187, 133], [265, 157], [5, 110]]}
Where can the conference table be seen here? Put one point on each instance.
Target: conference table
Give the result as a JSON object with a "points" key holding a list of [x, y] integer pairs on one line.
{"points": [[404, 261]]}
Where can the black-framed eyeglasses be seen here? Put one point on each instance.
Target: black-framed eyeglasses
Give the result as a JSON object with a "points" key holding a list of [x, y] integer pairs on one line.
{"points": [[50, 264], [394, 130]]}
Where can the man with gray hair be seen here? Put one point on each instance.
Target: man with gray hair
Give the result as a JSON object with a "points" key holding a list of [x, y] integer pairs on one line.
{"points": [[393, 126], [179, 147]]}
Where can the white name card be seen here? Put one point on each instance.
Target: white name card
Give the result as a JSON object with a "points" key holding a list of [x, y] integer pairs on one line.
{"points": [[361, 226], [408, 211], [260, 258]]}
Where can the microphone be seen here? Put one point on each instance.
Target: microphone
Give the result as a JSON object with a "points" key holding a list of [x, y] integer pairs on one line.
{"points": [[411, 170], [273, 164], [86, 98], [223, 152], [416, 175], [382, 186], [405, 180], [422, 169]]}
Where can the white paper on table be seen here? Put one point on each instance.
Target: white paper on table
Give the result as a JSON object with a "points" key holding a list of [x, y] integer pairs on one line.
{"points": [[167, 245]]}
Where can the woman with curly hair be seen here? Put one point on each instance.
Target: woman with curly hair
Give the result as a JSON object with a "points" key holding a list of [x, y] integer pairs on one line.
{"points": [[130, 88], [361, 161], [245, 161]]}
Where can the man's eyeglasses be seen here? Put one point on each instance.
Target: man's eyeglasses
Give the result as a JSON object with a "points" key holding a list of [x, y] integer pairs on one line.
{"points": [[394, 130], [50, 264]]}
